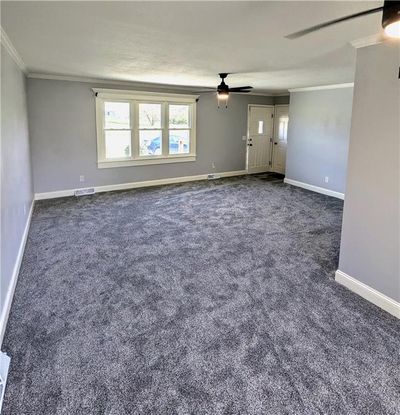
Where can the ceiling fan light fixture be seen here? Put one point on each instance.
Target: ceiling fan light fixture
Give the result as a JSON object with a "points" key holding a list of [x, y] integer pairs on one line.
{"points": [[391, 18], [223, 95], [393, 30], [223, 91], [223, 98]]}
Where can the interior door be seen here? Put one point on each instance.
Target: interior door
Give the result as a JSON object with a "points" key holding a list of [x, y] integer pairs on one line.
{"points": [[259, 138], [281, 122]]}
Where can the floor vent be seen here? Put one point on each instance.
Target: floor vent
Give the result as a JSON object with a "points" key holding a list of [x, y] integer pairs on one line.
{"points": [[4, 365], [83, 192], [213, 176]]}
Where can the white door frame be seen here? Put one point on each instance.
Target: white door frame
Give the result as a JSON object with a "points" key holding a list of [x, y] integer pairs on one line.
{"points": [[248, 129]]}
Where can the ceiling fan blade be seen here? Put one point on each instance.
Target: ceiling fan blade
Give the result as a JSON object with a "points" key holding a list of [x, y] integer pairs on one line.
{"points": [[210, 91], [332, 22], [241, 89]]}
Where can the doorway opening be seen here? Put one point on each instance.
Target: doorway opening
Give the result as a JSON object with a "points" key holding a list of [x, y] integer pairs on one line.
{"points": [[267, 127]]}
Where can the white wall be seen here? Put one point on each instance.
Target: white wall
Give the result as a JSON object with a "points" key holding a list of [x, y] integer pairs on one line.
{"points": [[16, 180], [370, 248], [318, 137]]}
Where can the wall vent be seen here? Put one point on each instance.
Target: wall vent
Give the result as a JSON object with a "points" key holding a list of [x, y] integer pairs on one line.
{"points": [[83, 192], [213, 176]]}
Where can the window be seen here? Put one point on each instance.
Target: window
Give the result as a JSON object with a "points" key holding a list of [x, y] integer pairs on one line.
{"points": [[138, 128], [179, 129], [150, 132], [283, 128], [117, 130]]}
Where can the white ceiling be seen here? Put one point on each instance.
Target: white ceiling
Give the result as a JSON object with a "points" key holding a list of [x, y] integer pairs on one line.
{"points": [[188, 43]]}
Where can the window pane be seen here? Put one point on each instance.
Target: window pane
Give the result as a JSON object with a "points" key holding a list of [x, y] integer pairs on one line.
{"points": [[149, 115], [179, 141], [117, 115], [150, 143], [260, 127], [118, 144], [178, 116], [283, 128]]}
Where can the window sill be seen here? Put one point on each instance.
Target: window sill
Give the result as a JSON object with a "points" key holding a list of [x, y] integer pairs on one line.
{"points": [[144, 162]]}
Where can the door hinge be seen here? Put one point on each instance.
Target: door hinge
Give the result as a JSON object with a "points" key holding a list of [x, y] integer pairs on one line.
{"points": [[270, 163], [272, 115]]}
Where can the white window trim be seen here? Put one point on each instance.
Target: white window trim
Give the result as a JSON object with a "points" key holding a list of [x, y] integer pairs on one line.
{"points": [[135, 97]]}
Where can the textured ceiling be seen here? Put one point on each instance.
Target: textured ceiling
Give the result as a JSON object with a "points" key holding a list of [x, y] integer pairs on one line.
{"points": [[188, 43]]}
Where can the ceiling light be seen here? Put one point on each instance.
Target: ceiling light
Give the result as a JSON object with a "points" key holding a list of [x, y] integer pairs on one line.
{"points": [[223, 98], [391, 18], [393, 30]]}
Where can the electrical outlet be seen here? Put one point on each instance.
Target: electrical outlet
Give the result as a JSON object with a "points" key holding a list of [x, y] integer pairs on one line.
{"points": [[244, 137], [213, 165], [326, 179], [81, 178]]}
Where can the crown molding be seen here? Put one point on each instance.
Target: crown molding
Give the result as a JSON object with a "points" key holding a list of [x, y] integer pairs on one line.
{"points": [[102, 81], [135, 84], [6, 42], [321, 87], [368, 41]]}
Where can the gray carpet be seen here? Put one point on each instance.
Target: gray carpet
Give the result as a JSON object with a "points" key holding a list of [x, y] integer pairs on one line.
{"points": [[204, 298]]}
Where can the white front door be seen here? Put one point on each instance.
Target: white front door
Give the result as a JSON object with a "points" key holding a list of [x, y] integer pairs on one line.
{"points": [[281, 121], [259, 138]]}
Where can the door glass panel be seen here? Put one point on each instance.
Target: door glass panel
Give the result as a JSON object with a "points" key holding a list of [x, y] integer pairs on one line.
{"points": [[150, 142], [179, 141], [149, 115], [118, 144], [260, 127], [283, 128], [117, 115]]}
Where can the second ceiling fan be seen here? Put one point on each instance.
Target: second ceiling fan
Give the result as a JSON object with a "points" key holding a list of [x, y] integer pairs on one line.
{"points": [[390, 20]]}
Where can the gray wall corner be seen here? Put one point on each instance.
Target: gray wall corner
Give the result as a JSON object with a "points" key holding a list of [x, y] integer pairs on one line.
{"points": [[318, 137]]}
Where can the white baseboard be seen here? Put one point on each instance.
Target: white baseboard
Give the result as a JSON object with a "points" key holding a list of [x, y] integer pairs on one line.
{"points": [[370, 294], [313, 188], [11, 288], [263, 169], [4, 366], [134, 185]]}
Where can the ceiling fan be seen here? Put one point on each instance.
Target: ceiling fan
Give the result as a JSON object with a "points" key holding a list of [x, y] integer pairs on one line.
{"points": [[390, 20], [223, 90]]}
